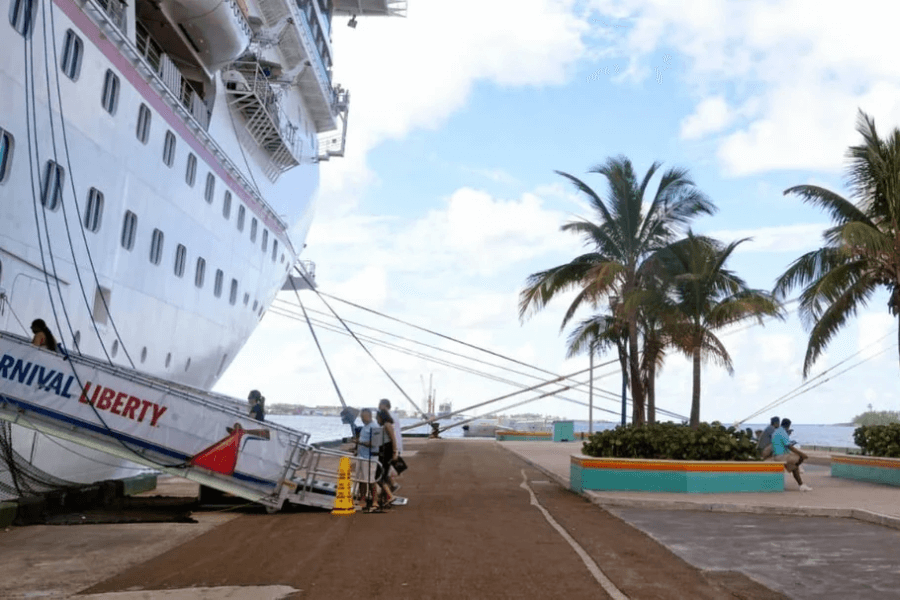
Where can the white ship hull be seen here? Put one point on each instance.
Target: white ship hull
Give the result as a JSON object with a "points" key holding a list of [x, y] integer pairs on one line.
{"points": [[183, 308]]}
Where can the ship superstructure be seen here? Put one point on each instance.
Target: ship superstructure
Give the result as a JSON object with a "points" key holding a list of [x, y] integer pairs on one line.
{"points": [[158, 171]]}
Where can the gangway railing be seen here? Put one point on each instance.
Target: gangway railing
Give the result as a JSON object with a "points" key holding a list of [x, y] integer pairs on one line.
{"points": [[172, 428]]}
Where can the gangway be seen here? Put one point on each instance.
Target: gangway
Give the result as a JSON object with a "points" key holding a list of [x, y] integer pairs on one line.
{"points": [[172, 428]]}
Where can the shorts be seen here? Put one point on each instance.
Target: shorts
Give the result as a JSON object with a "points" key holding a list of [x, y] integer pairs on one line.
{"points": [[767, 452], [368, 470], [791, 461]]}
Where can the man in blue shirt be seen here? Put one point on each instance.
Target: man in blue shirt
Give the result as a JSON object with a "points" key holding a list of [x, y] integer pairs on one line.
{"points": [[765, 440], [784, 451], [368, 443]]}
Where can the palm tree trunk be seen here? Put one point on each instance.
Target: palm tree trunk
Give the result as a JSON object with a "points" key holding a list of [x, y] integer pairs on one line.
{"points": [[651, 392], [637, 390], [623, 361], [695, 395]]}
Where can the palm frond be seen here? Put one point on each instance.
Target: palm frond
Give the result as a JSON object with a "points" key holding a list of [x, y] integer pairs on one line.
{"points": [[841, 210], [596, 202], [808, 268], [841, 309], [542, 286]]}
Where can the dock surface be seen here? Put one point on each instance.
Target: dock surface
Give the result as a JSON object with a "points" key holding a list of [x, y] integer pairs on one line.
{"points": [[470, 530]]}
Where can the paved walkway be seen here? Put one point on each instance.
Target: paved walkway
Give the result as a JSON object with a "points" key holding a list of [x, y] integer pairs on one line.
{"points": [[480, 523], [831, 496], [806, 558]]}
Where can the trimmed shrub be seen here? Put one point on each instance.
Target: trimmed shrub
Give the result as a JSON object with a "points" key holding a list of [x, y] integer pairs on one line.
{"points": [[879, 440], [673, 441]]}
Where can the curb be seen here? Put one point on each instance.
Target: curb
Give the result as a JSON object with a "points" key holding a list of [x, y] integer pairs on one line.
{"points": [[602, 501]]}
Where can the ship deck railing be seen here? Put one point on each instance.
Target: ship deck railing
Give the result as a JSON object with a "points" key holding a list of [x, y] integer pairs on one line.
{"points": [[171, 75], [116, 11]]}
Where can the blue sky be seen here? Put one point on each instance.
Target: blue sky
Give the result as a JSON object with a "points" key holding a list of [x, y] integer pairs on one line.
{"points": [[447, 198]]}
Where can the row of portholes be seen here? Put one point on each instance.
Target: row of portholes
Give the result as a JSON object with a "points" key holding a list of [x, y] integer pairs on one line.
{"points": [[114, 352]]}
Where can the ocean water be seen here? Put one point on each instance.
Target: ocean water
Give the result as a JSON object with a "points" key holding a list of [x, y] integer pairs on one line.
{"points": [[322, 429]]}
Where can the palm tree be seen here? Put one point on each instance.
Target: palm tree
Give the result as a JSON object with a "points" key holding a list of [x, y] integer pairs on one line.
{"points": [[624, 234], [862, 249], [708, 297]]}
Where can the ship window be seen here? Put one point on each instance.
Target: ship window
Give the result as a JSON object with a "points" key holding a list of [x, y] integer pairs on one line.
{"points": [[265, 240], [226, 205], [274, 250], [187, 365], [76, 341], [255, 305], [21, 16], [190, 175], [169, 149], [144, 354], [240, 220], [217, 290], [210, 187], [110, 98], [156, 247], [282, 258], [52, 185], [246, 299], [168, 359], [143, 124], [129, 229], [101, 304], [200, 275], [232, 298], [115, 348], [222, 364], [73, 49], [6, 148], [180, 256], [253, 229], [94, 210]]}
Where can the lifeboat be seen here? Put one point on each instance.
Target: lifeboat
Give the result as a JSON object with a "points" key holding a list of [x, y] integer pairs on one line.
{"points": [[217, 30]]}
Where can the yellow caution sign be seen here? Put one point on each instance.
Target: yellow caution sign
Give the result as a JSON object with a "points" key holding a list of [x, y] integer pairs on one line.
{"points": [[343, 499]]}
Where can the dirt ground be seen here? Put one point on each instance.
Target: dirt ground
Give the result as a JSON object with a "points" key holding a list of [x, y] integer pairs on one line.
{"points": [[469, 530]]}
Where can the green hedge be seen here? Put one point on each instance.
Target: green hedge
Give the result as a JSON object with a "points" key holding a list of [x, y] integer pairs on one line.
{"points": [[673, 441], [879, 440]]}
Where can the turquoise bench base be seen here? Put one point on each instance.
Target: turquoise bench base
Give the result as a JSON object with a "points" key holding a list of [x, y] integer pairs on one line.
{"points": [[693, 477], [885, 471]]}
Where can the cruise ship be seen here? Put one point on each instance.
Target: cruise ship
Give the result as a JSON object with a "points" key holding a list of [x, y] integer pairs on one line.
{"points": [[159, 164]]}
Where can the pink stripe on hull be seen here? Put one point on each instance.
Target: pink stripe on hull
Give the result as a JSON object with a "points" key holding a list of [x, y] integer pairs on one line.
{"points": [[84, 23]]}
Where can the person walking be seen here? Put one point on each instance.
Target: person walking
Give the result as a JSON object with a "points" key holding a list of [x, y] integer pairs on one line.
{"points": [[784, 451], [256, 405], [367, 450], [387, 455], [42, 336], [385, 405]]}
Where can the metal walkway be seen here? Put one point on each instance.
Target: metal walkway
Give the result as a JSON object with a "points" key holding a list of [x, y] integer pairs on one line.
{"points": [[174, 429]]}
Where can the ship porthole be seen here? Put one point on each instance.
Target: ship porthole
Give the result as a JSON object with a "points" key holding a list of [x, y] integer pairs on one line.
{"points": [[168, 359], [115, 348], [187, 365], [144, 354]]}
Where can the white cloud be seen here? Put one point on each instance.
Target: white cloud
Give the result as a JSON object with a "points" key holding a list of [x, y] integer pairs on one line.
{"points": [[395, 87], [785, 238], [711, 116], [800, 90]]}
